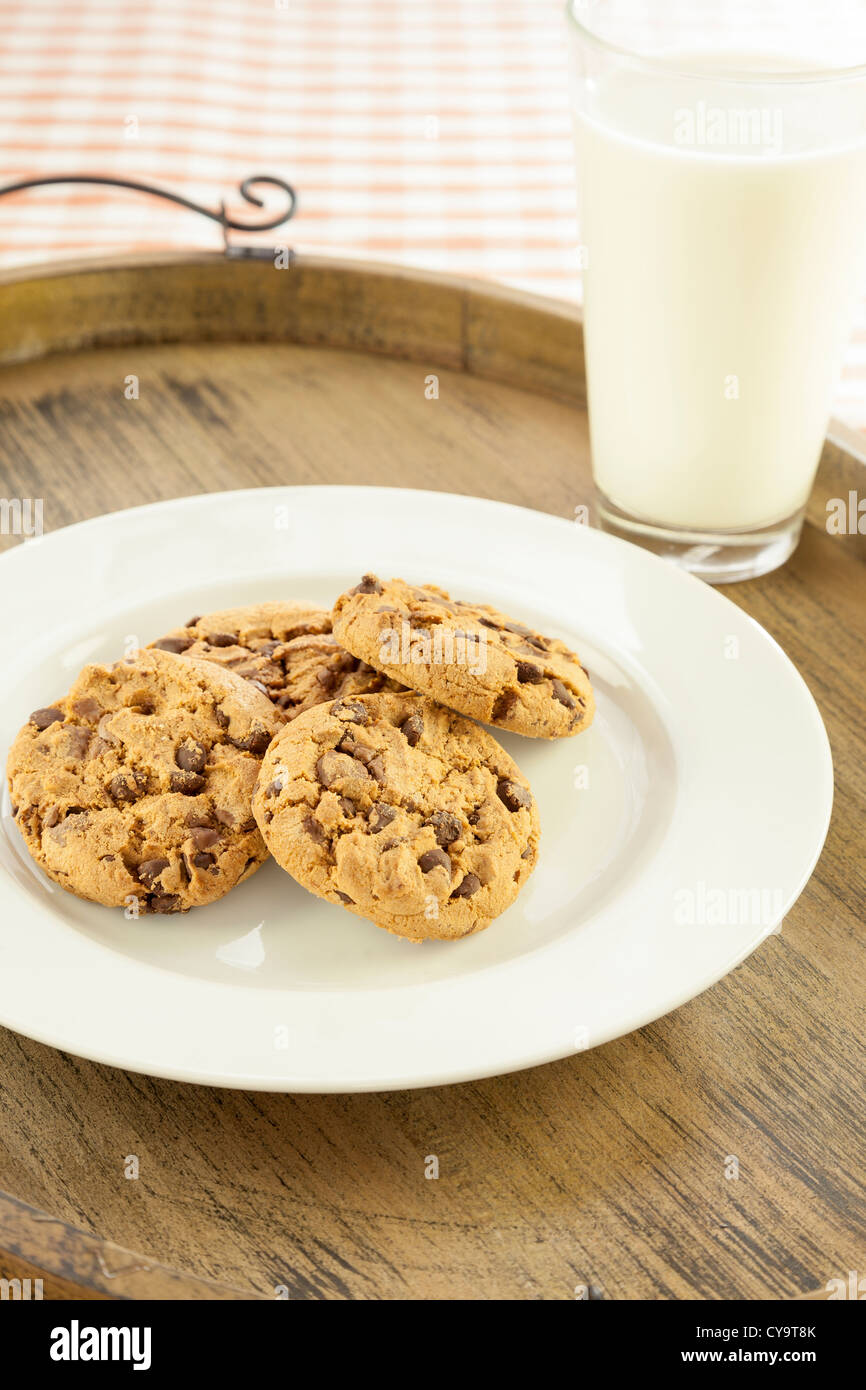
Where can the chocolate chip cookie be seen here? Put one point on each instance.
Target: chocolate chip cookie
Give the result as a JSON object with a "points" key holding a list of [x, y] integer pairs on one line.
{"points": [[134, 789], [285, 649], [400, 810], [469, 656]]}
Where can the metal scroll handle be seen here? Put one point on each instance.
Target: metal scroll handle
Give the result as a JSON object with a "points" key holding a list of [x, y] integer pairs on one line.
{"points": [[219, 215]]}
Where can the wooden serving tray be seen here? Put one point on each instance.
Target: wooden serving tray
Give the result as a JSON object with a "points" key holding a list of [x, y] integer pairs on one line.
{"points": [[607, 1168]]}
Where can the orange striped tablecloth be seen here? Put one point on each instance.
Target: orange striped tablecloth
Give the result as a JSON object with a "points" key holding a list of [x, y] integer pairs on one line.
{"points": [[430, 132]]}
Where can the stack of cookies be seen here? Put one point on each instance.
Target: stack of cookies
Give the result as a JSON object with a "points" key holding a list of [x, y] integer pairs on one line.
{"points": [[343, 743]]}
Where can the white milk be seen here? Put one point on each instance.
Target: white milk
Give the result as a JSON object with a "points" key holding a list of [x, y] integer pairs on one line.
{"points": [[719, 283]]}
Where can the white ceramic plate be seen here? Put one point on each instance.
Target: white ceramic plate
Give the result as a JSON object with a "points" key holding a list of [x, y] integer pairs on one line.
{"points": [[676, 832]]}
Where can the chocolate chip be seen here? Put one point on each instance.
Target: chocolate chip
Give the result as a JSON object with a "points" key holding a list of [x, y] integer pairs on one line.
{"points": [[221, 717], [344, 897], [187, 782], [164, 902], [203, 861], [224, 817], [562, 695], [87, 709], [519, 629], [193, 622], [448, 828], [474, 818], [256, 741], [368, 585], [222, 639], [504, 704], [259, 741], [434, 859], [149, 870], [376, 768], [203, 837], [43, 718], [488, 622], [381, 815], [347, 806], [352, 711], [512, 794], [103, 730], [412, 728], [78, 741], [469, 885], [273, 788], [326, 678], [355, 750], [51, 817], [267, 675], [191, 756], [127, 786], [75, 819], [528, 674], [174, 644], [527, 853], [333, 767], [315, 831]]}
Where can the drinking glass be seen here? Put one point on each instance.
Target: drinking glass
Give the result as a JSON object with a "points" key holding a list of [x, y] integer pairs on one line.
{"points": [[722, 179]]}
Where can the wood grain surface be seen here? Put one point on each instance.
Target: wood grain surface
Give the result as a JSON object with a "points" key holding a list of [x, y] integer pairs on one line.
{"points": [[608, 1168]]}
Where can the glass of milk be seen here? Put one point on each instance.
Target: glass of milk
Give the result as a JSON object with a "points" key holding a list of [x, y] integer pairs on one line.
{"points": [[722, 179]]}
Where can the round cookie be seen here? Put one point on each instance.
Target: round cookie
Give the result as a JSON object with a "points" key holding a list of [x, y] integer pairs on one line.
{"points": [[402, 811], [467, 655], [134, 789], [285, 649]]}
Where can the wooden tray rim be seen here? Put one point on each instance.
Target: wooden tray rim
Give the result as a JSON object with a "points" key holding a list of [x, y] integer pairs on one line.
{"points": [[846, 438]]}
